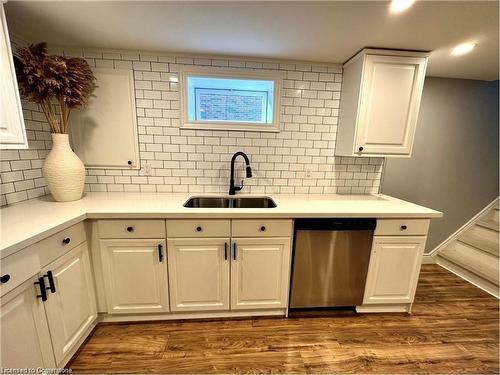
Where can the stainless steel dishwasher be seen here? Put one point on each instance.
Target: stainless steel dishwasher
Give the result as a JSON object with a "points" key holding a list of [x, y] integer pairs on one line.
{"points": [[330, 262]]}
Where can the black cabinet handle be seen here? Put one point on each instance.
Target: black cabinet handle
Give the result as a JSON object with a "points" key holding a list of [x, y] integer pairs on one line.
{"points": [[404, 227], [130, 229], [129, 162], [43, 292], [160, 253], [52, 285], [225, 250], [66, 241], [262, 228], [234, 250], [360, 148], [4, 278], [199, 229]]}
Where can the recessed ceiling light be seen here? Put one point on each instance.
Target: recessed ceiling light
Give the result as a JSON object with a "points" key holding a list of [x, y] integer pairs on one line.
{"points": [[463, 48], [398, 6]]}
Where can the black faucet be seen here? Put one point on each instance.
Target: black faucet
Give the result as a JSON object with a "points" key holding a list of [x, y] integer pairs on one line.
{"points": [[233, 189]]}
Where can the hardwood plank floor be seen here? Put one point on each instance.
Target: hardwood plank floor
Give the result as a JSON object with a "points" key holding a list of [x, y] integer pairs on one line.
{"points": [[453, 329]]}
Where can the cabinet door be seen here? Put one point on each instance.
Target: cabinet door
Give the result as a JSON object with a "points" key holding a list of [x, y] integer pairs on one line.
{"points": [[12, 131], [198, 269], [394, 269], [260, 269], [389, 104], [25, 340], [71, 306], [135, 275]]}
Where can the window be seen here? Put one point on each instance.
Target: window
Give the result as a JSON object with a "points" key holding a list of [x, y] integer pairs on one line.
{"points": [[230, 99]]}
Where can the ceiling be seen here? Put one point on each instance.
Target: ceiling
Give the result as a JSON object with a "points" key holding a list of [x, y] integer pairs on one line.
{"points": [[327, 31]]}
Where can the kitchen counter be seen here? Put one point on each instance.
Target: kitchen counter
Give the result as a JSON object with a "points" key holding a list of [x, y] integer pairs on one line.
{"points": [[25, 223]]}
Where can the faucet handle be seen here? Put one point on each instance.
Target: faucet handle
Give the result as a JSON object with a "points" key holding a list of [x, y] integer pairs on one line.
{"points": [[238, 188]]}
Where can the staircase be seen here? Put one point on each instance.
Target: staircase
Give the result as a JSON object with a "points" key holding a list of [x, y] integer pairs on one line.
{"points": [[473, 252]]}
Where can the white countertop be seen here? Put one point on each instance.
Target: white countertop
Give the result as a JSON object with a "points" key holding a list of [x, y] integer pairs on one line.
{"points": [[25, 223]]}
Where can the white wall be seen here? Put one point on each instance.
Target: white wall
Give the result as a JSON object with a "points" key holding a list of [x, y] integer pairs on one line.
{"points": [[299, 159], [454, 167]]}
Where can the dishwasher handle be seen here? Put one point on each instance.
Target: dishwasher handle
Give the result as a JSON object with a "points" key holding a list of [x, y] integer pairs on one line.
{"points": [[336, 224]]}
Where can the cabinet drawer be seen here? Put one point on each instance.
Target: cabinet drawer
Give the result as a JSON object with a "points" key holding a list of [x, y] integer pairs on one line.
{"points": [[261, 228], [17, 268], [60, 243], [131, 228], [402, 227], [198, 228]]}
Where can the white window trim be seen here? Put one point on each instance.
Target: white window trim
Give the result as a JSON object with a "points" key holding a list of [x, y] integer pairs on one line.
{"points": [[211, 71]]}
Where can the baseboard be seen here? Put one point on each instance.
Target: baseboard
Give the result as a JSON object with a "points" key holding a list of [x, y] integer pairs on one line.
{"points": [[468, 224], [385, 308], [485, 285], [105, 318], [428, 259]]}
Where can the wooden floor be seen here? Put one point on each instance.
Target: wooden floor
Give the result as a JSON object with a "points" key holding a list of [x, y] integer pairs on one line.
{"points": [[453, 329]]}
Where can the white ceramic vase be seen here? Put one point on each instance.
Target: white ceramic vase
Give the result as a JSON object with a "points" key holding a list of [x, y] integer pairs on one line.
{"points": [[63, 170]]}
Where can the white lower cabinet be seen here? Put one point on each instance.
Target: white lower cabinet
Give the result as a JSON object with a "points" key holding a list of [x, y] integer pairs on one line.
{"points": [[260, 273], [135, 275], [199, 273], [70, 306], [393, 271], [25, 339]]}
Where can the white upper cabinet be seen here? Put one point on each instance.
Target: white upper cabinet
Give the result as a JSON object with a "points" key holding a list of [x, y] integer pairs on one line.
{"points": [[379, 105], [104, 133], [12, 130]]}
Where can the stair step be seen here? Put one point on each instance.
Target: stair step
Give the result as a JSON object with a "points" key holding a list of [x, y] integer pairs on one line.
{"points": [[474, 260], [479, 242], [488, 223]]}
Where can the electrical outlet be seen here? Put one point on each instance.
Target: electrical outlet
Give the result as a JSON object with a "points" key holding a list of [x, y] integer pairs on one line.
{"points": [[147, 170]]}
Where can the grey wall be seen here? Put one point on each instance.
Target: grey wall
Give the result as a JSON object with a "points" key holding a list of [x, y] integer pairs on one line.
{"points": [[454, 166]]}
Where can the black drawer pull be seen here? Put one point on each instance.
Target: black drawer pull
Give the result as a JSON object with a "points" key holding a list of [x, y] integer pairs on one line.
{"points": [[43, 292], [130, 229], [404, 227], [199, 229], [160, 253], [129, 162], [66, 241], [262, 228], [234, 250], [5, 278], [225, 250], [52, 285], [360, 148]]}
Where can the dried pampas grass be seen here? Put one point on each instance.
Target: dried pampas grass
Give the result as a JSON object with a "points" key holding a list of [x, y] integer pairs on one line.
{"points": [[54, 82]]}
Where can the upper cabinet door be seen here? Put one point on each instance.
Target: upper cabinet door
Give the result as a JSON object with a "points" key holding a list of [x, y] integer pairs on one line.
{"points": [[379, 103], [198, 269], [12, 130], [390, 99], [71, 305], [105, 138]]}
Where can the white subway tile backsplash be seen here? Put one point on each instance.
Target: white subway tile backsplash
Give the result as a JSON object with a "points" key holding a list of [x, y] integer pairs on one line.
{"points": [[299, 159]]}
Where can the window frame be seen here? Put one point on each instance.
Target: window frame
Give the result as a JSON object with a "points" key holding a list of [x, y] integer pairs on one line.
{"points": [[230, 73]]}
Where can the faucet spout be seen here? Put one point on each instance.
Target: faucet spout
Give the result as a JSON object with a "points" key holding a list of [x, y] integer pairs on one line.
{"points": [[232, 188]]}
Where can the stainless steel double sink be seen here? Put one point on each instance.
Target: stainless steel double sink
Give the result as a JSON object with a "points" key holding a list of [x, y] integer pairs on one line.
{"points": [[229, 202]]}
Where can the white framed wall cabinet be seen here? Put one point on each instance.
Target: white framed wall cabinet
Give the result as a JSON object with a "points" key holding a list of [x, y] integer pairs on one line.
{"points": [[380, 100], [135, 275], [12, 128], [393, 270]]}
